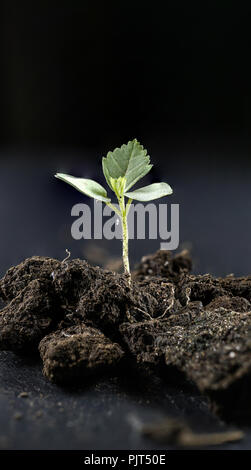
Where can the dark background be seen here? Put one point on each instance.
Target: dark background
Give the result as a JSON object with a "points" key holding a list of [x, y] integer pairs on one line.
{"points": [[81, 78], [92, 74], [78, 79]]}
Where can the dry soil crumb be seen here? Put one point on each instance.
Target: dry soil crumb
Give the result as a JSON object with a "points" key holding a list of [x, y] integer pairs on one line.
{"points": [[176, 432], [72, 354]]}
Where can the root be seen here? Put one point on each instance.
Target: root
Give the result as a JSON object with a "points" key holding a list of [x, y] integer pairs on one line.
{"points": [[171, 303], [187, 294], [67, 257], [144, 312]]}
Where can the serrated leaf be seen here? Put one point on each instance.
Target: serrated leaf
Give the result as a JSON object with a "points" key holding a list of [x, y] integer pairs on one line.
{"points": [[129, 161], [150, 192], [88, 187], [106, 174]]}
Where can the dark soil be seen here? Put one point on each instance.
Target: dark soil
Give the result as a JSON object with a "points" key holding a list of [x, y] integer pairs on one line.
{"points": [[74, 353], [31, 315], [18, 277], [86, 321]]}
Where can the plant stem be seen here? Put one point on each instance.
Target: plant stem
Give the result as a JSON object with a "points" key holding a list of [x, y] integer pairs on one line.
{"points": [[109, 204], [125, 245], [124, 212]]}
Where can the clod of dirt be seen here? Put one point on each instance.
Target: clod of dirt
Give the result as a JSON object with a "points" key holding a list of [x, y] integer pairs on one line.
{"points": [[236, 304], [211, 347], [72, 279], [199, 288], [237, 286], [153, 300], [75, 353], [105, 304], [28, 317], [18, 416], [23, 395], [18, 277], [177, 432], [147, 340], [110, 301], [206, 288], [164, 264]]}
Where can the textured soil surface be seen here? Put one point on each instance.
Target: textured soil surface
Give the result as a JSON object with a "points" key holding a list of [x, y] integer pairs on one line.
{"points": [[76, 352], [86, 322]]}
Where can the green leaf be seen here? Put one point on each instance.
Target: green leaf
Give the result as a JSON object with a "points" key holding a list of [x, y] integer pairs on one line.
{"points": [[85, 186], [118, 185], [151, 192], [106, 174], [129, 161]]}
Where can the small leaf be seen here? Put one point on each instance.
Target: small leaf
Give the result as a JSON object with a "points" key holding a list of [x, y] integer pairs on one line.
{"points": [[130, 161], [151, 192], [106, 174], [85, 186], [118, 185]]}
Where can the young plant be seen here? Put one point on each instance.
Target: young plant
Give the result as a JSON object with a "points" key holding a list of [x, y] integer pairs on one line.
{"points": [[122, 168]]}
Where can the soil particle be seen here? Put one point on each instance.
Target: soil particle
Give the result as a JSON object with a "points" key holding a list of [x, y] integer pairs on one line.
{"points": [[147, 340], [206, 288], [18, 416], [176, 432], [105, 304], [72, 354], [164, 264], [18, 277], [72, 279], [153, 300], [28, 317], [237, 286], [199, 288], [23, 395], [141, 339], [212, 348], [237, 304]]}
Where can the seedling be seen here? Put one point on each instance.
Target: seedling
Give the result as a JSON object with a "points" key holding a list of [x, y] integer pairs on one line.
{"points": [[122, 168]]}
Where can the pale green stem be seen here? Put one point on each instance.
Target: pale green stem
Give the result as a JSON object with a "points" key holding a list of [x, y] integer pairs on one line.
{"points": [[128, 206], [113, 208], [123, 211], [123, 215], [125, 245]]}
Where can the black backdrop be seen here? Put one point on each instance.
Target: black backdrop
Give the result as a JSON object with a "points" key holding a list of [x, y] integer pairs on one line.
{"points": [[81, 77], [82, 72]]}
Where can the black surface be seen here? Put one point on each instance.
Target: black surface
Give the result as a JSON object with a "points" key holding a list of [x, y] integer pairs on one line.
{"points": [[101, 415]]}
